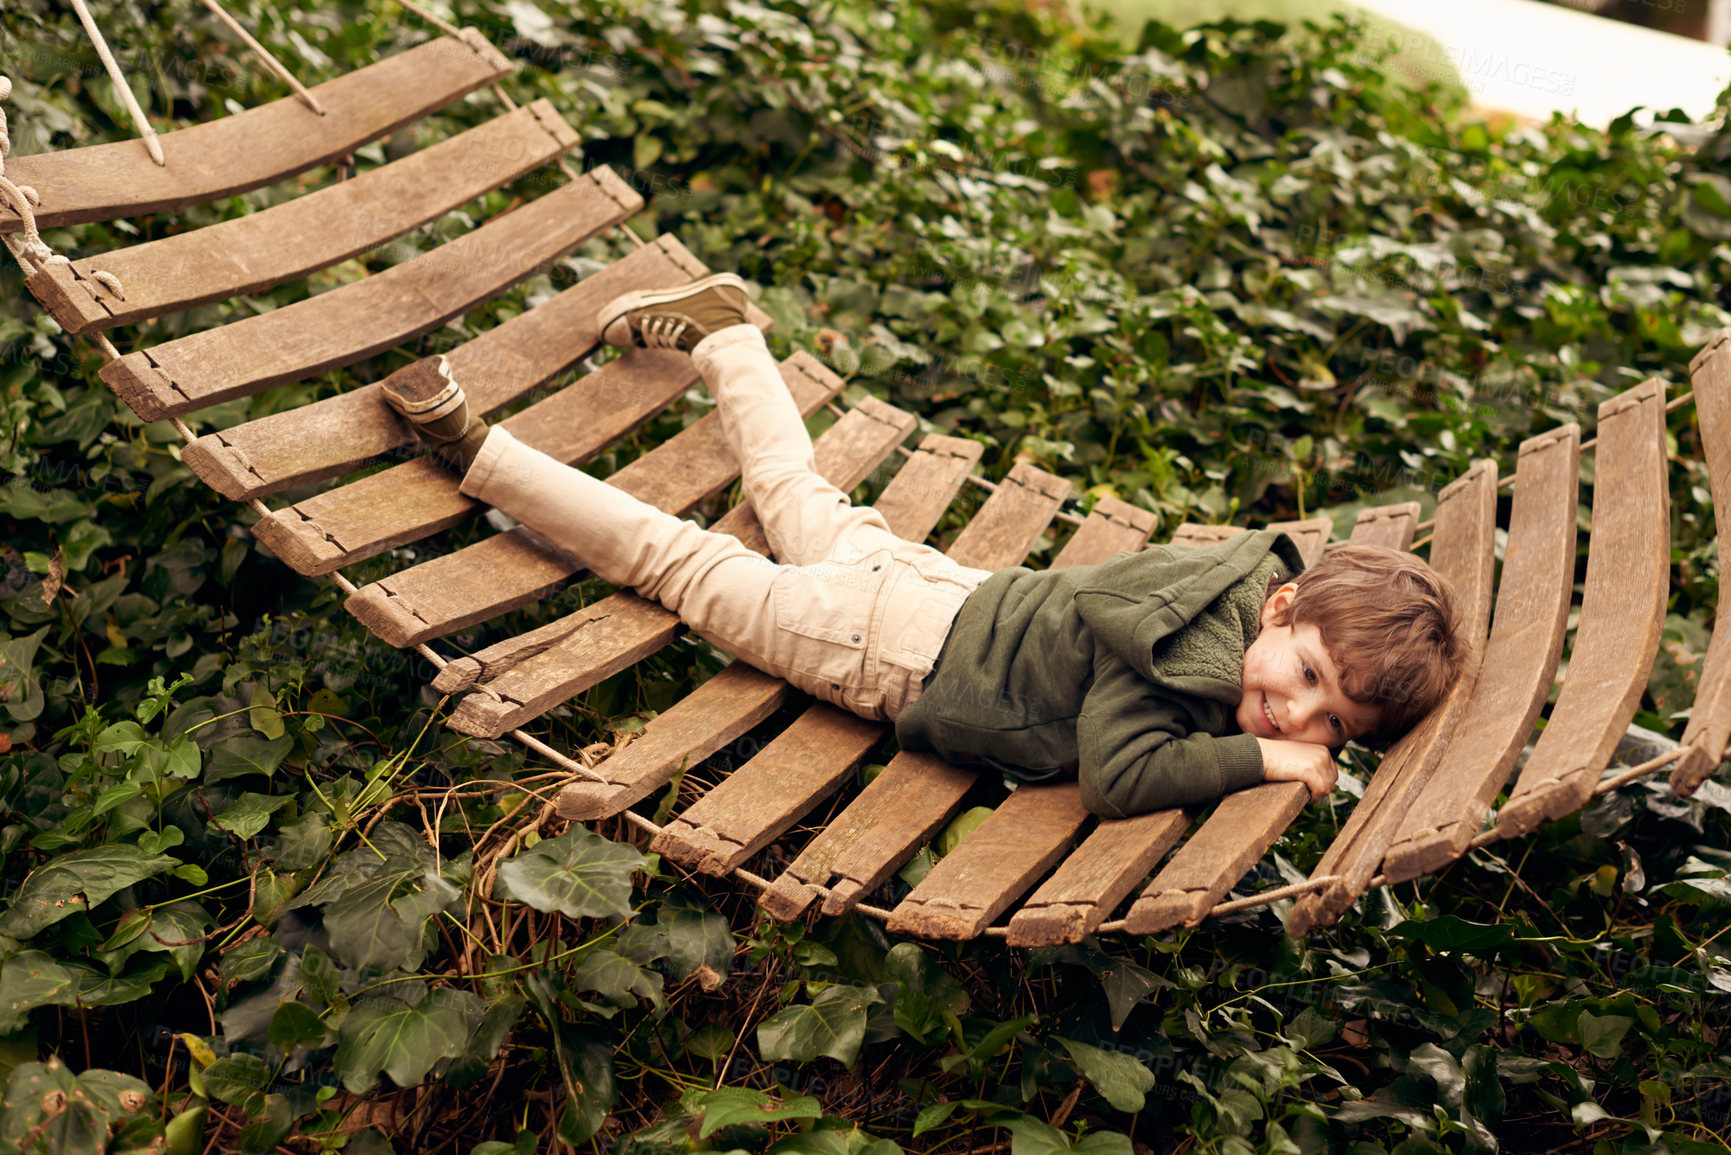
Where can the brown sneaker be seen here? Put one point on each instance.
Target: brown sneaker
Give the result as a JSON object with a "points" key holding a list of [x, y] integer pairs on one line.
{"points": [[438, 410], [674, 318]]}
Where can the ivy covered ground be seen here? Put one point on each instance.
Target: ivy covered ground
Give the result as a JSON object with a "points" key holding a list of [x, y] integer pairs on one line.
{"points": [[258, 898]]}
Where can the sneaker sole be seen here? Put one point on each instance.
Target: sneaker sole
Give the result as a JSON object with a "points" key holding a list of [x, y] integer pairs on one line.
{"points": [[613, 332]]}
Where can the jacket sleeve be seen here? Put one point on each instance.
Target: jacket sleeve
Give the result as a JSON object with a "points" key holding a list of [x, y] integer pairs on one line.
{"points": [[1138, 749]]}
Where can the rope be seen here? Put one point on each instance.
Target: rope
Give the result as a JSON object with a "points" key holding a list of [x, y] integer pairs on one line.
{"points": [[265, 56], [27, 246], [144, 130]]}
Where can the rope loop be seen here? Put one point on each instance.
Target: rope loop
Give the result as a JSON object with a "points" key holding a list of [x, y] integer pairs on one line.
{"points": [[28, 245]]}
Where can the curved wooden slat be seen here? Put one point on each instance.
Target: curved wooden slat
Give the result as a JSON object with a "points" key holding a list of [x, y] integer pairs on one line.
{"points": [[254, 148], [914, 796], [1089, 885], [367, 316], [331, 436], [1709, 727], [1464, 552], [1390, 526], [1519, 665], [1005, 855], [711, 716], [1628, 577], [289, 240], [1234, 839], [623, 628], [1309, 535]]}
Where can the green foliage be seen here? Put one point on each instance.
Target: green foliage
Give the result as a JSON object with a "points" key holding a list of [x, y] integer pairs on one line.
{"points": [[1233, 273]]}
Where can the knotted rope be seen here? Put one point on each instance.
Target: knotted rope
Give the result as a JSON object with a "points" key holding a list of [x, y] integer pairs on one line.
{"points": [[28, 245]]}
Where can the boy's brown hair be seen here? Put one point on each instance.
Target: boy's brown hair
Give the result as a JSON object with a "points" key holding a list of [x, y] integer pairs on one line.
{"points": [[1390, 624]]}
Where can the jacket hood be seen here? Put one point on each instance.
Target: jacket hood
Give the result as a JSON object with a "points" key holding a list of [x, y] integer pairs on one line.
{"points": [[1140, 604]]}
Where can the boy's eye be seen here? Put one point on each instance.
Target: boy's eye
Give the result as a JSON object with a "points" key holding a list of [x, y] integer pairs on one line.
{"points": [[1335, 722], [1310, 675]]}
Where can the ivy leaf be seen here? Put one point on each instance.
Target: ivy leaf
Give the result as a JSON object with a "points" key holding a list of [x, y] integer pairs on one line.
{"points": [[250, 814], [238, 1080], [51, 1111], [1453, 933], [1603, 1035], [489, 1035], [834, 1025], [29, 979], [579, 874], [77, 882], [303, 843], [698, 938], [401, 1040], [252, 959], [297, 1025], [1120, 1078], [168, 928], [120, 738], [1126, 986], [20, 690], [925, 991], [380, 922], [246, 754], [616, 979], [726, 1106], [319, 978]]}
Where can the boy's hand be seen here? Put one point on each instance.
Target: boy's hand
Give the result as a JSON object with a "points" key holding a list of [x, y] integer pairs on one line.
{"points": [[1305, 762]]}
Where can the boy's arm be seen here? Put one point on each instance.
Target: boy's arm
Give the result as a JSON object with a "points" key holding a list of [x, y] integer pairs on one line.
{"points": [[1139, 750]]}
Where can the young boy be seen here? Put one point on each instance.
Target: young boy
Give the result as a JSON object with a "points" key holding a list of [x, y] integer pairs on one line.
{"points": [[1159, 678]]}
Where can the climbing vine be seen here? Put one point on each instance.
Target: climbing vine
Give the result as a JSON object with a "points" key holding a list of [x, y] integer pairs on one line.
{"points": [[257, 897]]}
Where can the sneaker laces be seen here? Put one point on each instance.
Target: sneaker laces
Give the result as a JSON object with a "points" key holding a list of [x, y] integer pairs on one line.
{"points": [[663, 331]]}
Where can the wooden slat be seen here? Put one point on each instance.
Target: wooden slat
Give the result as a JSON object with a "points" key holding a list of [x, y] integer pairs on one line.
{"points": [[1463, 551], [1709, 726], [999, 861], [1242, 828], [1622, 608], [1387, 525], [254, 148], [624, 628], [771, 792], [331, 436], [367, 316], [915, 794], [1090, 884], [511, 569], [1208, 866], [713, 715], [1519, 666], [1309, 535], [289, 240]]}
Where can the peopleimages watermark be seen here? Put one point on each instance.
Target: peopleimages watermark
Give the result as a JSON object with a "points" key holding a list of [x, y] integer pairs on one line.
{"points": [[1423, 55]]}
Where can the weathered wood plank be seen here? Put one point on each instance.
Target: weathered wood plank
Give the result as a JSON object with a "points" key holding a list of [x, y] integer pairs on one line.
{"points": [[1390, 526], [914, 796], [254, 148], [1464, 552], [1622, 608], [1309, 535], [1709, 727], [1235, 837], [368, 316], [291, 239], [707, 719], [1073, 903], [999, 861], [1519, 666], [627, 628], [331, 436]]}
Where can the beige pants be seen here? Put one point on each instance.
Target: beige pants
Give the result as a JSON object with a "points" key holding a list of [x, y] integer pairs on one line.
{"points": [[854, 615]]}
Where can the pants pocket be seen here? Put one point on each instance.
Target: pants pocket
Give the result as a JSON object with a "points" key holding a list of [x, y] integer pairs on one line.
{"points": [[918, 619], [822, 617]]}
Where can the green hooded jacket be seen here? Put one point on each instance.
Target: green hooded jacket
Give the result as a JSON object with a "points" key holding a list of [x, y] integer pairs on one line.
{"points": [[1126, 673]]}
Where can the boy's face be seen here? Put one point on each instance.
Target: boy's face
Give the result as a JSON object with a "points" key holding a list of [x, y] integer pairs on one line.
{"points": [[1292, 690]]}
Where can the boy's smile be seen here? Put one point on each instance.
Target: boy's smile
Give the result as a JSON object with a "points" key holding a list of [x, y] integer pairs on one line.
{"points": [[1292, 689]]}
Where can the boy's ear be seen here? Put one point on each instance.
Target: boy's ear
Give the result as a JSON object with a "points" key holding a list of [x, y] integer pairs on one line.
{"points": [[1278, 603]]}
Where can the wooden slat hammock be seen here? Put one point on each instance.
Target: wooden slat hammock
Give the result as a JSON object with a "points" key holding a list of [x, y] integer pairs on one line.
{"points": [[1040, 858]]}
